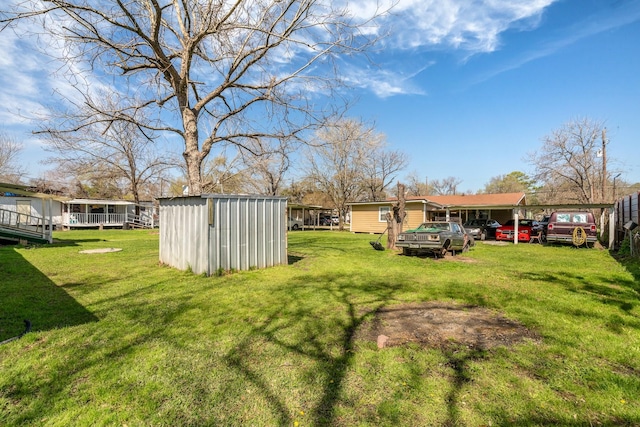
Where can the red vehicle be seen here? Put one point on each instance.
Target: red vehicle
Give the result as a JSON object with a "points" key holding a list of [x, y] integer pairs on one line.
{"points": [[526, 229], [562, 228]]}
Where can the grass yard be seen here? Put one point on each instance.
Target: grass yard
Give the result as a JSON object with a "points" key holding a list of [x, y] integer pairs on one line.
{"points": [[119, 340]]}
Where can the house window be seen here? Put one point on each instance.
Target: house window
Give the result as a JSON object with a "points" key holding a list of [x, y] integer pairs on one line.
{"points": [[382, 213]]}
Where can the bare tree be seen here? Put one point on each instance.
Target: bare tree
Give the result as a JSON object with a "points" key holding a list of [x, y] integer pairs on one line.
{"points": [[305, 191], [225, 174], [445, 186], [381, 168], [115, 158], [567, 164], [206, 70], [10, 169], [267, 172], [335, 163], [417, 186]]}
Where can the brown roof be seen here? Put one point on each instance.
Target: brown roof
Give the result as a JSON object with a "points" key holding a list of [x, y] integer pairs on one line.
{"points": [[502, 199]]}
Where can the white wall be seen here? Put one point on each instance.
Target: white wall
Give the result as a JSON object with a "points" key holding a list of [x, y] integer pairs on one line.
{"points": [[37, 209]]}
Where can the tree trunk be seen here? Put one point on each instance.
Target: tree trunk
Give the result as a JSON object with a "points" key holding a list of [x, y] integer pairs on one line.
{"points": [[192, 155], [391, 232], [395, 219]]}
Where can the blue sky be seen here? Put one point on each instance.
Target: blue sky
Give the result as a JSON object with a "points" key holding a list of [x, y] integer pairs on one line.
{"points": [[466, 87], [489, 103]]}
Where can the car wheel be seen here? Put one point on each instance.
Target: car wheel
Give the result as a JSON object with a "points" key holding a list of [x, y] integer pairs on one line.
{"points": [[405, 251], [445, 248], [295, 226]]}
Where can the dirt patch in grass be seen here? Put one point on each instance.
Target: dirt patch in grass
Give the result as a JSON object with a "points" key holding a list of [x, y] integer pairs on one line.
{"points": [[441, 325]]}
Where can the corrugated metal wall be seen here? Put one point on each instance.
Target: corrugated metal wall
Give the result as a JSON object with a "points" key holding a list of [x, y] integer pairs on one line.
{"points": [[184, 231], [227, 232], [248, 232]]}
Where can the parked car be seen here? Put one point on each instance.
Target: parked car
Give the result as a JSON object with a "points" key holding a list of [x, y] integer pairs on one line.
{"points": [[577, 228], [435, 237], [325, 220], [526, 229], [482, 229], [544, 223], [295, 224], [329, 220]]}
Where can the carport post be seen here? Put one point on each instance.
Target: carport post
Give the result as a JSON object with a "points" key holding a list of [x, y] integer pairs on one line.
{"points": [[612, 228], [515, 228]]}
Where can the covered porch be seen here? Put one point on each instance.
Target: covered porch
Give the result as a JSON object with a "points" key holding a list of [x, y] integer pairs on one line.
{"points": [[97, 213]]}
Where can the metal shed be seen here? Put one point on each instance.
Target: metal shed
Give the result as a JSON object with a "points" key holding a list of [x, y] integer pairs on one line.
{"points": [[215, 232]]}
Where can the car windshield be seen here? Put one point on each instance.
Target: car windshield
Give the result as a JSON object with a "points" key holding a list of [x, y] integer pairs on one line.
{"points": [[474, 222], [434, 226]]}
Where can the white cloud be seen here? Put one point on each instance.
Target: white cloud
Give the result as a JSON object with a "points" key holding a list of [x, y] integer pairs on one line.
{"points": [[384, 82], [466, 26], [469, 25]]}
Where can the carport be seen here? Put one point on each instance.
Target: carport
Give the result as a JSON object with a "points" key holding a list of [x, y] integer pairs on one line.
{"points": [[302, 211]]}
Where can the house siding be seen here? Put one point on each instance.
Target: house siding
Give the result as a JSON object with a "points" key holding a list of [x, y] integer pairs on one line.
{"points": [[365, 218], [415, 216], [438, 208]]}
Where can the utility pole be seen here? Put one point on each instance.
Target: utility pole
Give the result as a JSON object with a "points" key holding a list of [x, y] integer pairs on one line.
{"points": [[604, 163]]}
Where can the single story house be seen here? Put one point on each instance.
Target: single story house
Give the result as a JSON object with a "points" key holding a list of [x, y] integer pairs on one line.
{"points": [[79, 213], [58, 212], [370, 217]]}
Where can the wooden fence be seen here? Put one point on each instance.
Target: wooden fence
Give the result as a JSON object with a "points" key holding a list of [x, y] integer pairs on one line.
{"points": [[626, 211]]}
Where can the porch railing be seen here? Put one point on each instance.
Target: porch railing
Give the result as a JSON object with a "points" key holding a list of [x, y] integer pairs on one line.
{"points": [[97, 218]]}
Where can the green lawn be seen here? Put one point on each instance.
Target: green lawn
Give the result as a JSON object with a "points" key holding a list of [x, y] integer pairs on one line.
{"points": [[118, 339]]}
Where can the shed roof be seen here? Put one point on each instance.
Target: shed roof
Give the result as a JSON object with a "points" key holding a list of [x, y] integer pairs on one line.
{"points": [[224, 196]]}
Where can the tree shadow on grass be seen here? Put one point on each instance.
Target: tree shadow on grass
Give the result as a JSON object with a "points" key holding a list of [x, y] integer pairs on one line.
{"points": [[292, 259], [632, 265], [622, 294], [328, 342], [30, 295], [458, 360]]}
